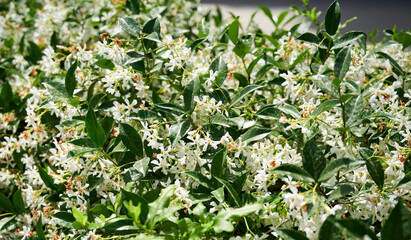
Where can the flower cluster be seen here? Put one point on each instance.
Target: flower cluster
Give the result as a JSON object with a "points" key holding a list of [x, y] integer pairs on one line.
{"points": [[159, 120]]}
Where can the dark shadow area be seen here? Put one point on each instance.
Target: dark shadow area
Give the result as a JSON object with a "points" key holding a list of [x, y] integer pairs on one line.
{"points": [[371, 15]]}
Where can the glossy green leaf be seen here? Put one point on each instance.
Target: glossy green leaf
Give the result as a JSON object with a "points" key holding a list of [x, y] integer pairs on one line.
{"points": [[39, 229], [80, 217], [348, 39], [334, 228], [325, 106], [6, 95], [269, 112], [313, 159], [248, 209], [219, 164], [233, 195], [245, 91], [131, 139], [153, 25], [342, 63], [309, 37], [201, 179], [94, 130], [95, 100], [376, 171], [268, 13], [405, 180], [398, 224], [238, 184], [233, 31], [160, 205], [6, 204], [290, 110], [18, 201], [394, 63], [354, 109], [70, 81], [255, 134], [294, 171], [64, 219], [130, 26], [244, 45], [191, 90], [290, 234], [105, 63], [218, 65], [6, 220], [136, 200], [332, 18], [179, 130], [336, 165]]}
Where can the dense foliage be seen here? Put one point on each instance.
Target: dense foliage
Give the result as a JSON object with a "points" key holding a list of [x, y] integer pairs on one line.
{"points": [[160, 120]]}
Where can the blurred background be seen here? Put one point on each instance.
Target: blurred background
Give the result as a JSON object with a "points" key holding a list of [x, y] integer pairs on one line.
{"points": [[371, 14]]}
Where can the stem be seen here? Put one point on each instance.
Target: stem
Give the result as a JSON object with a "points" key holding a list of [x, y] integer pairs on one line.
{"points": [[343, 114], [245, 67]]}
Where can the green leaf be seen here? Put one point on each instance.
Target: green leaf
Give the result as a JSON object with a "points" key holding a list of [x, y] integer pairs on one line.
{"points": [[64, 219], [161, 205], [219, 164], [405, 39], [5, 220], [267, 12], [394, 63], [255, 134], [203, 29], [231, 191], [242, 211], [355, 109], [6, 204], [398, 224], [191, 90], [238, 184], [269, 112], [6, 95], [80, 217], [294, 171], [218, 65], [376, 171], [336, 165], [244, 45], [153, 25], [348, 39], [138, 171], [222, 225], [219, 119], [201, 179], [309, 37], [100, 209], [290, 110], [133, 211], [260, 74], [170, 108], [405, 180], [94, 130], [71, 82], [313, 159], [39, 230], [18, 201], [233, 31], [179, 130], [290, 234], [241, 94], [134, 6], [84, 142], [333, 228], [130, 26], [105, 63], [137, 200], [48, 180], [342, 63], [332, 18], [131, 139], [325, 106]]}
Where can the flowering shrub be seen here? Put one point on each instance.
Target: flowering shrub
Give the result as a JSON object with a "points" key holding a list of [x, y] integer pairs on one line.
{"points": [[160, 120]]}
